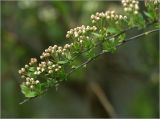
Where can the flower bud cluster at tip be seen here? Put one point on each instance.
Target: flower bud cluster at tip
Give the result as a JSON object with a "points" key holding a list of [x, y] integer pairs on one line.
{"points": [[80, 31], [131, 6], [22, 71], [108, 15]]}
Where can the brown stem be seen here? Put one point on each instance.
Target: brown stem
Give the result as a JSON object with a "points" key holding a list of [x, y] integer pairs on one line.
{"points": [[98, 91]]}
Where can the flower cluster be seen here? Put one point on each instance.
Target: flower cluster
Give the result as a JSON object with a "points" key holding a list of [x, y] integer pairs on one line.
{"points": [[155, 2], [108, 15], [56, 51], [23, 71], [80, 31], [30, 82], [131, 6], [48, 67]]}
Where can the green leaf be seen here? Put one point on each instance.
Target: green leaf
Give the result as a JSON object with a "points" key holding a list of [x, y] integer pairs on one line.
{"points": [[110, 45], [148, 15], [112, 30], [96, 34], [27, 91], [62, 62], [62, 75], [32, 69], [74, 67], [68, 55]]}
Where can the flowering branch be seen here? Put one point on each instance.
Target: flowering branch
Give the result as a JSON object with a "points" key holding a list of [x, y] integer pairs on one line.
{"points": [[101, 53], [104, 52], [107, 31]]}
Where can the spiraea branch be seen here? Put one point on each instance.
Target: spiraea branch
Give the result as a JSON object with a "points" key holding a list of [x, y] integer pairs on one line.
{"points": [[108, 30]]}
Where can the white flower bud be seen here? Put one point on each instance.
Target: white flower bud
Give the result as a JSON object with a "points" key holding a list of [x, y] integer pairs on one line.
{"points": [[81, 41], [136, 7], [124, 4], [125, 17], [31, 79], [75, 34], [31, 86], [20, 72], [94, 28], [55, 46], [125, 9], [23, 70], [71, 44], [131, 5], [27, 83], [93, 21], [38, 72], [35, 72], [27, 79], [112, 12], [120, 17], [22, 76], [129, 9], [50, 71], [37, 81], [97, 18], [38, 68], [26, 66], [92, 16], [135, 12], [108, 17], [49, 63], [41, 57], [49, 67], [42, 69]]}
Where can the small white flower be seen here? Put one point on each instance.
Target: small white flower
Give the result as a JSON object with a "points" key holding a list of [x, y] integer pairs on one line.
{"points": [[92, 16], [26, 66], [126, 9], [135, 12], [31, 86], [27, 83], [75, 34], [37, 81], [50, 71], [80, 41]]}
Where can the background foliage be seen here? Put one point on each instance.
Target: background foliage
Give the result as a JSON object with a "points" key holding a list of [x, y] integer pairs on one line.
{"points": [[129, 77]]}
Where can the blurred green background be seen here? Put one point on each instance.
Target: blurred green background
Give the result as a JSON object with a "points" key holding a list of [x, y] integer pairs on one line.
{"points": [[127, 78]]}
